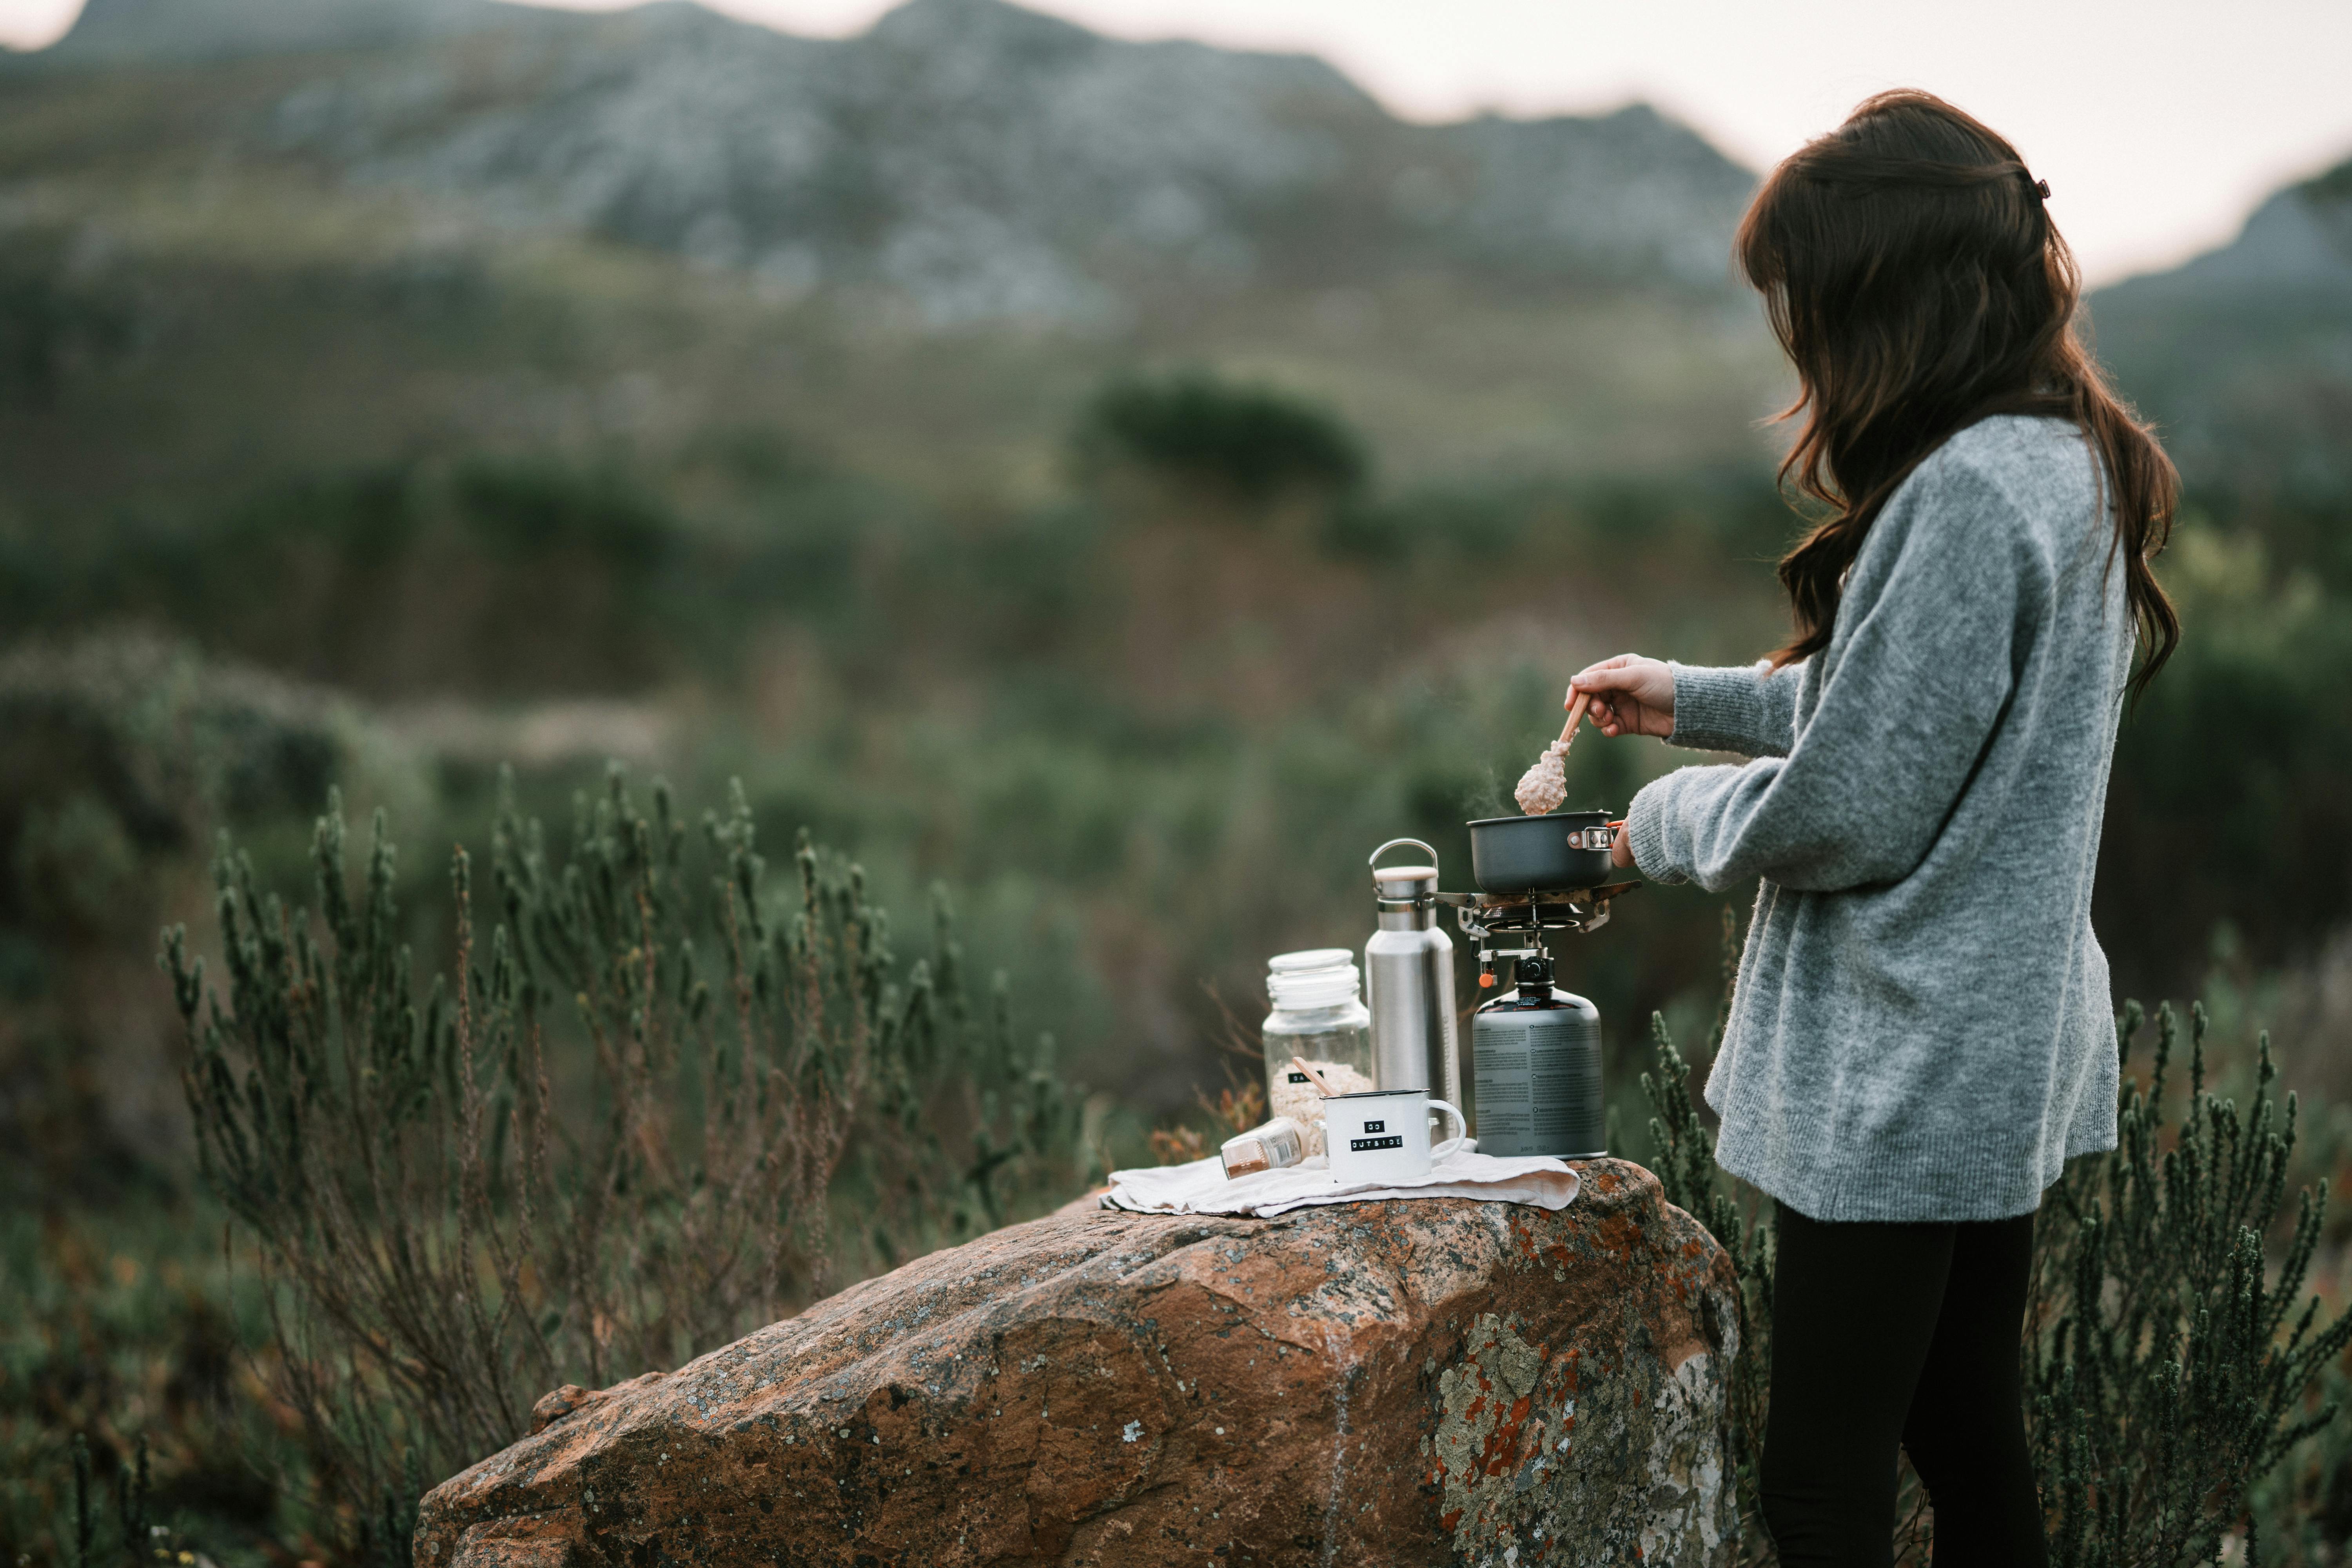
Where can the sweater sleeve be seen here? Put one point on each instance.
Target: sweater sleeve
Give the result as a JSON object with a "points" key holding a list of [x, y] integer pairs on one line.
{"points": [[1750, 708], [1920, 677]]}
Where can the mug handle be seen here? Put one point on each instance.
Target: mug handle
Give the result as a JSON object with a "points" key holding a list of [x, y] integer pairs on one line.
{"points": [[1453, 1144]]}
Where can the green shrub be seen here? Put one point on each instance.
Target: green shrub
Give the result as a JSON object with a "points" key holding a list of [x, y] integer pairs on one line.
{"points": [[2171, 1373], [612, 1138]]}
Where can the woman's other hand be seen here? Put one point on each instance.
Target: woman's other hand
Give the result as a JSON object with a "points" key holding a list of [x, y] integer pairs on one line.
{"points": [[1621, 850], [1631, 695]]}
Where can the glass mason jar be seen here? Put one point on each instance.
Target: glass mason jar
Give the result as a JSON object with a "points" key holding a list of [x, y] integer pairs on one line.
{"points": [[1318, 1015]]}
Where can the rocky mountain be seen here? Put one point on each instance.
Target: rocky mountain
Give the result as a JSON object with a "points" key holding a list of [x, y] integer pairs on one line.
{"points": [[2298, 239], [2244, 354], [982, 161], [117, 32]]}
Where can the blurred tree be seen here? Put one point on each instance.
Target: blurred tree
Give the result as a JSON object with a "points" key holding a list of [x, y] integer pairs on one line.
{"points": [[1253, 442]]}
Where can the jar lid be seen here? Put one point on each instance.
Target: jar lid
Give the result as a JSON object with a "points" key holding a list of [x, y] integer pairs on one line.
{"points": [[1317, 977]]}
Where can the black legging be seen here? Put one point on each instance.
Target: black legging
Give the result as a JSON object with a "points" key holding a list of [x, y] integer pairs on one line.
{"points": [[1884, 1333]]}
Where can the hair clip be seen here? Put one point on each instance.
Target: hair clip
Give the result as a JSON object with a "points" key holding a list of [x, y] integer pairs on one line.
{"points": [[2041, 189]]}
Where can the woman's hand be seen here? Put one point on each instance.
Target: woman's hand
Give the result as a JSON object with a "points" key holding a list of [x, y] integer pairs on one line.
{"points": [[1621, 851], [1631, 695]]}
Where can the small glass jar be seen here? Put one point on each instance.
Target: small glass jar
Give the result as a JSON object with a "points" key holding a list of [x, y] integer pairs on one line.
{"points": [[1318, 1015]]}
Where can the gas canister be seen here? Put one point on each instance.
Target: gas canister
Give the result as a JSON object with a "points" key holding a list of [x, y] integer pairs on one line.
{"points": [[1536, 1055]]}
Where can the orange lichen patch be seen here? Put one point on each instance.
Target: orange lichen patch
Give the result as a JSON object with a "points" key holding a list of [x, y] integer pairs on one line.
{"points": [[1620, 1236], [1100, 1388], [1501, 1454]]}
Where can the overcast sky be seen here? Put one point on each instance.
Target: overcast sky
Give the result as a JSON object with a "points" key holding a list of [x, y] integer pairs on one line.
{"points": [[2158, 124]]}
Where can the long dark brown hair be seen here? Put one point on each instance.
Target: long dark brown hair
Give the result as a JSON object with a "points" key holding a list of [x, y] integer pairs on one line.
{"points": [[1912, 272]]}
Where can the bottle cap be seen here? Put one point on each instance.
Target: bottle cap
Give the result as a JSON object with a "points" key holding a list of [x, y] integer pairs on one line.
{"points": [[1534, 970], [1400, 884]]}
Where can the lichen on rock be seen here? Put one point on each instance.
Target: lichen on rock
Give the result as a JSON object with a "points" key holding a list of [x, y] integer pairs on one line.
{"points": [[1435, 1381], [1529, 1475]]}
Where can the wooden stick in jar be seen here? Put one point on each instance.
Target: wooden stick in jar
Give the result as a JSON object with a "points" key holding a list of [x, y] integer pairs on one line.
{"points": [[1303, 1065]]}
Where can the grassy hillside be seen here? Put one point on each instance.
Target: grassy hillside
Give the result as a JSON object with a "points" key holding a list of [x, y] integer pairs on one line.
{"points": [[375, 433], [190, 336], [380, 436]]}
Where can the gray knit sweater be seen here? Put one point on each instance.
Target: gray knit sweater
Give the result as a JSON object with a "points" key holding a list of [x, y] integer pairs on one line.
{"points": [[1921, 1029]]}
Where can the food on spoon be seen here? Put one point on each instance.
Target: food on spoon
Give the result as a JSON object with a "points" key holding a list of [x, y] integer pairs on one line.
{"points": [[1543, 786]]}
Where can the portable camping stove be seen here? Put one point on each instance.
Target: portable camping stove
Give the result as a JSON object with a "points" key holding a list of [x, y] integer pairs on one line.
{"points": [[1511, 925]]}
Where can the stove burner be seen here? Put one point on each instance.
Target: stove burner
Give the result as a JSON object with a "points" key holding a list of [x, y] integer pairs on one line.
{"points": [[1511, 925]]}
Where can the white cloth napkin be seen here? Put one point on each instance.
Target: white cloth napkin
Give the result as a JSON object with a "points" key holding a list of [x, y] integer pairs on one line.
{"points": [[1200, 1186]]}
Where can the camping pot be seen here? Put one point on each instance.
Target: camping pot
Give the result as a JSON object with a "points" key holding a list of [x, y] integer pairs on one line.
{"points": [[1541, 854]]}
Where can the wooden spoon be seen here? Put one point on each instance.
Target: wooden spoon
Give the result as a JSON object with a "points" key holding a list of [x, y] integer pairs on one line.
{"points": [[1576, 708], [1314, 1077]]}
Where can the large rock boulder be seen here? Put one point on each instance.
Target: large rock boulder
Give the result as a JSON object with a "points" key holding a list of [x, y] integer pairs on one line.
{"points": [[1427, 1382]]}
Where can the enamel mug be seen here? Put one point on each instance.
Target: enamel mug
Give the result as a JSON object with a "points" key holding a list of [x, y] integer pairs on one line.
{"points": [[1383, 1135]]}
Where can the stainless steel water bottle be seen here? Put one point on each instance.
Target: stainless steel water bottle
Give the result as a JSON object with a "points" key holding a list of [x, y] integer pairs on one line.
{"points": [[1536, 1052], [1409, 978]]}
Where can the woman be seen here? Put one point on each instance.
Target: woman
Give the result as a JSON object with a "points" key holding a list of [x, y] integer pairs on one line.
{"points": [[1921, 1035]]}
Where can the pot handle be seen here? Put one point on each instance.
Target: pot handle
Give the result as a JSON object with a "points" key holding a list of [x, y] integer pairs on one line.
{"points": [[1392, 843]]}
